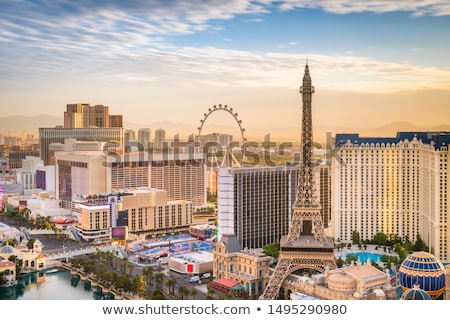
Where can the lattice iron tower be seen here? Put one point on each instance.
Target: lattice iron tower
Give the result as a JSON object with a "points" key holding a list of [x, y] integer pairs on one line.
{"points": [[305, 246]]}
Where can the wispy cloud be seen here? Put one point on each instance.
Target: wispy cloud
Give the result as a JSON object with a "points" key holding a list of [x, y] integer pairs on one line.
{"points": [[127, 41], [416, 7]]}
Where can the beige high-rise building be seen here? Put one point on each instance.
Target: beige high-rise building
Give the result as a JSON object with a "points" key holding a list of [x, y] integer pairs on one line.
{"points": [[160, 138], [145, 138], [183, 175], [83, 115], [73, 116], [48, 136], [398, 186], [130, 135], [149, 211], [93, 172]]}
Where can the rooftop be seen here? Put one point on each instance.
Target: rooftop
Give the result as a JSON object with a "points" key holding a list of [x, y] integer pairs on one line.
{"points": [[438, 138], [307, 242]]}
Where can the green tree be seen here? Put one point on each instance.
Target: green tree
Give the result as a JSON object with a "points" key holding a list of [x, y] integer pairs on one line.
{"points": [[272, 249], [356, 239], [124, 265], [2, 279], [349, 259], [171, 282], [130, 267], [380, 238], [210, 293], [11, 242], [419, 245], [159, 279], [193, 293], [340, 262], [149, 274], [30, 244], [157, 295], [183, 291]]}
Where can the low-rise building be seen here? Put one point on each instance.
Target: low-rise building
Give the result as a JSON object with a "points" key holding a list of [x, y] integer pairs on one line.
{"points": [[199, 263], [32, 259], [142, 210], [7, 272], [249, 267]]}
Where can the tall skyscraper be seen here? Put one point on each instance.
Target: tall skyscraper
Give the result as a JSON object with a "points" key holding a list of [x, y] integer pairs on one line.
{"points": [[83, 115], [130, 135], [305, 247], [398, 186], [73, 116], [183, 175], [94, 172], [145, 137], [322, 175], [48, 136], [255, 203], [160, 137]]}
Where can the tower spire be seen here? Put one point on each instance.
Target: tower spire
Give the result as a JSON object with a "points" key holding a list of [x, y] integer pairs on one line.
{"points": [[298, 250], [306, 188]]}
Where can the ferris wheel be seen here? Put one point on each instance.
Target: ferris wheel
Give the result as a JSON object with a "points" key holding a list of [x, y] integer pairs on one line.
{"points": [[228, 157]]}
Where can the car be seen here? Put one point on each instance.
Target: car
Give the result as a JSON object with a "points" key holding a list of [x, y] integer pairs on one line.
{"points": [[194, 279], [206, 275]]}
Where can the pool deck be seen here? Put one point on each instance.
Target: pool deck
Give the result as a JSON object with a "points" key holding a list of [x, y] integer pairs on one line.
{"points": [[354, 249]]}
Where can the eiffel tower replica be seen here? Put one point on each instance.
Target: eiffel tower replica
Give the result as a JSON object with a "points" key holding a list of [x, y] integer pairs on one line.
{"points": [[306, 246]]}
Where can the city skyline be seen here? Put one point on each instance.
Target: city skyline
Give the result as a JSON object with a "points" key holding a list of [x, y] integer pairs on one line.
{"points": [[375, 61]]}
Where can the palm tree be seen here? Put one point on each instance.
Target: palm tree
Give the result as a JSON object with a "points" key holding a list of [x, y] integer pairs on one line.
{"points": [[124, 259], [183, 291], [193, 293], [130, 267], [171, 282], [210, 293], [109, 257], [149, 276], [159, 279]]}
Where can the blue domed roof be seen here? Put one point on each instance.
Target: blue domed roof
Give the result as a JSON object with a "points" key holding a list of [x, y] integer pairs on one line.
{"points": [[7, 250], [415, 294], [425, 270]]}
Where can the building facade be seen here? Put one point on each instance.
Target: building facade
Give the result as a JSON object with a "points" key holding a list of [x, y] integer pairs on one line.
{"points": [[142, 210], [83, 115], [255, 203], [322, 174], [160, 138], [48, 136], [183, 175], [145, 138], [249, 267], [149, 211], [398, 186], [81, 173]]}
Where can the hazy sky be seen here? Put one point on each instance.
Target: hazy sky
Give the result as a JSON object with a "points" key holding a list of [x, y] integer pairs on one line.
{"points": [[372, 61]]}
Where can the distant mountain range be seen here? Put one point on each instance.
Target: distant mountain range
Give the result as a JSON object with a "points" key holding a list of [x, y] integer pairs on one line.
{"points": [[20, 125]]}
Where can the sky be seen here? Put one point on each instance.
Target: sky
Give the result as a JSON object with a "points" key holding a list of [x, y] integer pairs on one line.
{"points": [[372, 62]]}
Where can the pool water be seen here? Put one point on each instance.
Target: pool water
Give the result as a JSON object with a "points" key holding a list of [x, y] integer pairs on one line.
{"points": [[364, 256]]}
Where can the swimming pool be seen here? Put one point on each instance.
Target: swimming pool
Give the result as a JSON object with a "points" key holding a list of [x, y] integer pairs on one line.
{"points": [[363, 256]]}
